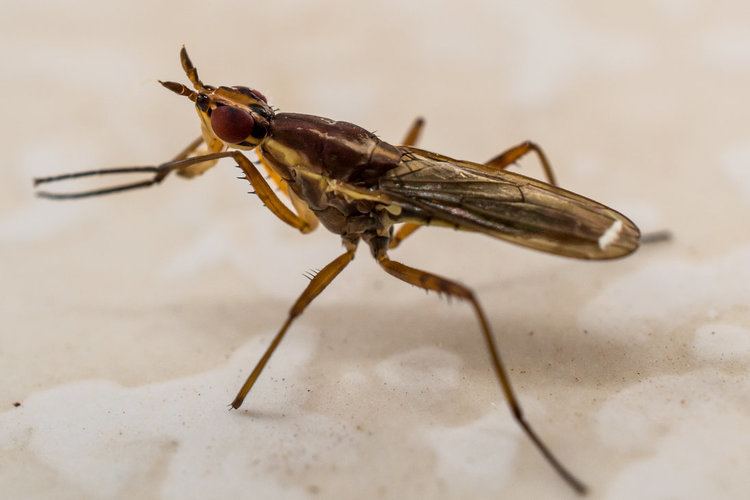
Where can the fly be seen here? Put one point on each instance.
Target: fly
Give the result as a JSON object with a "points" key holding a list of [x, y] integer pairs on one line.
{"points": [[359, 187]]}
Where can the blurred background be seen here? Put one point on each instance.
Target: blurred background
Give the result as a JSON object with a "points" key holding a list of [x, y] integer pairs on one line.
{"points": [[128, 322]]}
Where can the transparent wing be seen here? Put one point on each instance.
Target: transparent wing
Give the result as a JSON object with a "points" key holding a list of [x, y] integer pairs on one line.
{"points": [[434, 189]]}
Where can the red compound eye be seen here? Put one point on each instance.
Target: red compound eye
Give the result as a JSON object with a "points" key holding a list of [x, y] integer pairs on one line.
{"points": [[231, 124], [259, 95]]}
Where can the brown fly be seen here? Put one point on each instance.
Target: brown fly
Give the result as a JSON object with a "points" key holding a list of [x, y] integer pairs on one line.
{"points": [[361, 187]]}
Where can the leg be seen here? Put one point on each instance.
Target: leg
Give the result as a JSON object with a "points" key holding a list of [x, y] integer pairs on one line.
{"points": [[194, 149], [300, 206], [317, 285], [500, 162], [509, 157], [410, 139], [304, 212], [403, 232], [262, 189], [438, 284], [189, 149], [656, 237], [412, 136], [212, 145]]}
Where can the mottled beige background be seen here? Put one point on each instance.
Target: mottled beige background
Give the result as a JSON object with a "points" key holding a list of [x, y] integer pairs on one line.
{"points": [[129, 322]]}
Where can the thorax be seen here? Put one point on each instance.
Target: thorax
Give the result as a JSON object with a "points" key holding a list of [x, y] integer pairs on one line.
{"points": [[333, 150]]}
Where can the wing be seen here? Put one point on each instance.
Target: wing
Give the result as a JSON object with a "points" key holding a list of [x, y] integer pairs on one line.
{"points": [[434, 189]]}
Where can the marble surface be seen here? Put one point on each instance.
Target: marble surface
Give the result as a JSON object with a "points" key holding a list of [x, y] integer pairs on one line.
{"points": [[129, 322]]}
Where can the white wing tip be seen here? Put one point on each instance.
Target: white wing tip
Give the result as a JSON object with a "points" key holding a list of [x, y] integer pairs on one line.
{"points": [[611, 235]]}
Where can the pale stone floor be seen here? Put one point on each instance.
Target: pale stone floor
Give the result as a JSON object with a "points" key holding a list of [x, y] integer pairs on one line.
{"points": [[129, 322]]}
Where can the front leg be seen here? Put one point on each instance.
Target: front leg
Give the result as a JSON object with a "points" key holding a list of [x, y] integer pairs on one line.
{"points": [[160, 172], [252, 175], [212, 145], [303, 211], [267, 196]]}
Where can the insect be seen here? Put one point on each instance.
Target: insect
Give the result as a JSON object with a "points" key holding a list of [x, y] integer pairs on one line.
{"points": [[360, 187]]}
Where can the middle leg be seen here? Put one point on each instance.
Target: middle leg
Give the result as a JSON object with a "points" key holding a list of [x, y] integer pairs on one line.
{"points": [[500, 162], [410, 139]]}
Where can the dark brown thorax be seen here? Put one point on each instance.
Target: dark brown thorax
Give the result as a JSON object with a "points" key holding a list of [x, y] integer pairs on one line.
{"points": [[336, 150]]}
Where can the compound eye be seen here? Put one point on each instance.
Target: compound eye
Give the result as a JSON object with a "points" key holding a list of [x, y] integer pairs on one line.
{"points": [[259, 95], [231, 124]]}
